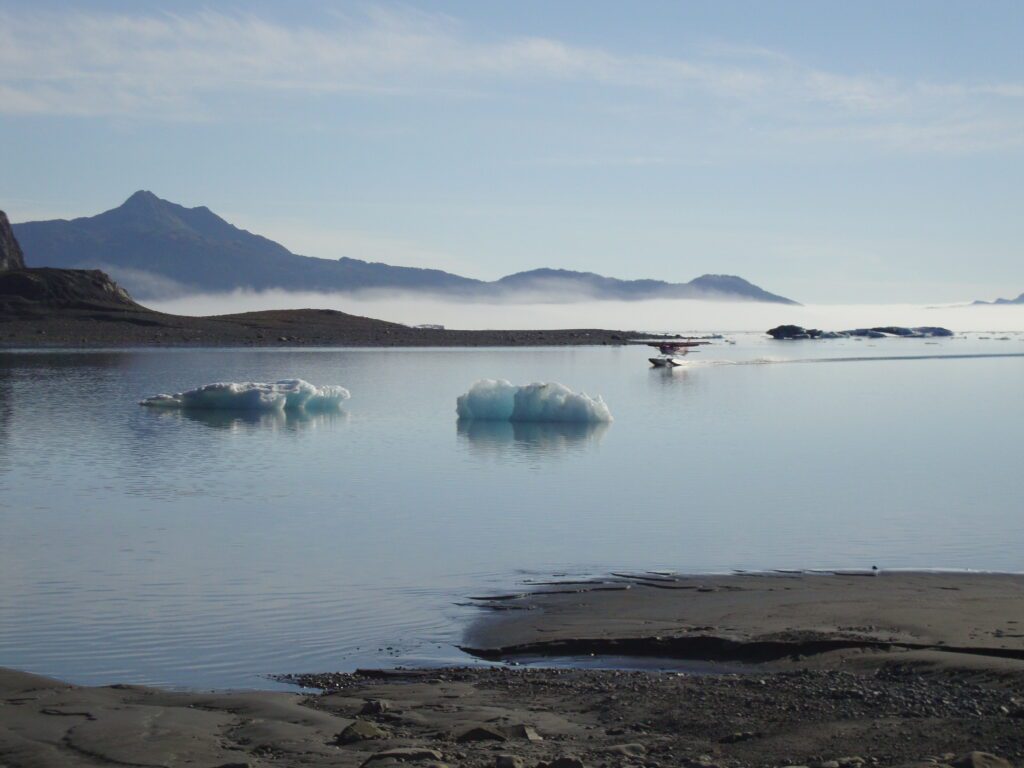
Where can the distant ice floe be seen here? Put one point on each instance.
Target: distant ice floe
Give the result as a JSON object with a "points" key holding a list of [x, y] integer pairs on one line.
{"points": [[284, 395], [500, 400]]}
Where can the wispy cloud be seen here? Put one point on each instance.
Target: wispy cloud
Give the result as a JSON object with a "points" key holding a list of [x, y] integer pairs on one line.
{"points": [[191, 66]]}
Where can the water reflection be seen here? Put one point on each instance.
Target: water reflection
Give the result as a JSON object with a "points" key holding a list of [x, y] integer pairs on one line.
{"points": [[669, 376], [493, 437], [6, 412], [68, 360], [249, 421]]}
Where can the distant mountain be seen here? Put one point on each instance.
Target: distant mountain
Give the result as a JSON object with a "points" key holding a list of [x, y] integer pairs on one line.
{"points": [[156, 248], [587, 284], [1018, 300]]}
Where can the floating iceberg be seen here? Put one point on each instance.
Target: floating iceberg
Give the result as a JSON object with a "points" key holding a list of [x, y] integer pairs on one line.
{"points": [[284, 395], [499, 400]]}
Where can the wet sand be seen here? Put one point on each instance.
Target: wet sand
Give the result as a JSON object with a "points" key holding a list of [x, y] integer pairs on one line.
{"points": [[899, 695], [968, 618]]}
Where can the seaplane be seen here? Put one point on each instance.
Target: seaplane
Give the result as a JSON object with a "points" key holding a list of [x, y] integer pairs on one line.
{"points": [[673, 352]]}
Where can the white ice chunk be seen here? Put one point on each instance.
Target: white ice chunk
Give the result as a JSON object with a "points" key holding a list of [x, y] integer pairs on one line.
{"points": [[499, 400], [283, 395], [488, 400]]}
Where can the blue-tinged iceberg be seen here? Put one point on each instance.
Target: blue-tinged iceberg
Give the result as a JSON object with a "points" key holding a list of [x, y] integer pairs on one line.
{"points": [[500, 400], [283, 395]]}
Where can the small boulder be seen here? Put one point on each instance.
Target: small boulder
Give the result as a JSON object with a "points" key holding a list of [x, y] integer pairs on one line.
{"points": [[521, 731], [404, 755], [361, 730], [628, 750], [375, 707], [508, 761], [481, 733], [735, 738], [980, 760]]}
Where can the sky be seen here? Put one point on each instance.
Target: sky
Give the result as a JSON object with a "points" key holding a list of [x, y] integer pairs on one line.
{"points": [[832, 152]]}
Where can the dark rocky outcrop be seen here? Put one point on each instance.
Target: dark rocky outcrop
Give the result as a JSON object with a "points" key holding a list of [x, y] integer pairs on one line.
{"points": [[11, 256], [33, 291], [790, 332], [25, 291], [796, 332], [895, 330]]}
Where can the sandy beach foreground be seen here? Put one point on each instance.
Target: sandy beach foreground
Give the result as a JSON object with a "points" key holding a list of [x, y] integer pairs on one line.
{"points": [[928, 671]]}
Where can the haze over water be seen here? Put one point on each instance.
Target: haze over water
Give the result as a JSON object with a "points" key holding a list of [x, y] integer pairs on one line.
{"points": [[653, 315], [208, 550]]}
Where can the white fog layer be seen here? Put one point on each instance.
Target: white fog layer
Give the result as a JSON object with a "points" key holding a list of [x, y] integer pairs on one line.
{"points": [[654, 315]]}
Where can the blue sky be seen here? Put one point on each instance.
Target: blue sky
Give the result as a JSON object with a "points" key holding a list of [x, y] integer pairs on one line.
{"points": [[832, 152]]}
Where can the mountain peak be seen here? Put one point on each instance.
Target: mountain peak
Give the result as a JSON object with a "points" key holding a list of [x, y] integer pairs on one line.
{"points": [[143, 199], [147, 211], [736, 285], [720, 279]]}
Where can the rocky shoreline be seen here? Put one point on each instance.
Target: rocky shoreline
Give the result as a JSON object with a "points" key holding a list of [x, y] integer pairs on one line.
{"points": [[510, 717], [931, 675]]}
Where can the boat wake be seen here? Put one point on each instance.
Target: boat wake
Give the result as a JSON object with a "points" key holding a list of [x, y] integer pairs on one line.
{"points": [[691, 364]]}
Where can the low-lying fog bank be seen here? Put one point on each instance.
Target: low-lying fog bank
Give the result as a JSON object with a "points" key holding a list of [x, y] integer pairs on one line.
{"points": [[656, 315]]}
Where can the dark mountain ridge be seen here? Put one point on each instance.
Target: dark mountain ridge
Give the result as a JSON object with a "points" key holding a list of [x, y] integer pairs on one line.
{"points": [[157, 248], [50, 307], [591, 285]]}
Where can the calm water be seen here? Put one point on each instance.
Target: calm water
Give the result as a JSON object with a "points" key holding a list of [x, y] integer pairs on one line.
{"points": [[208, 551]]}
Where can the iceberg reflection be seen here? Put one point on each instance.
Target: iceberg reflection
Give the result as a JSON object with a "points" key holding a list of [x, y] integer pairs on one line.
{"points": [[493, 437], [238, 421]]}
